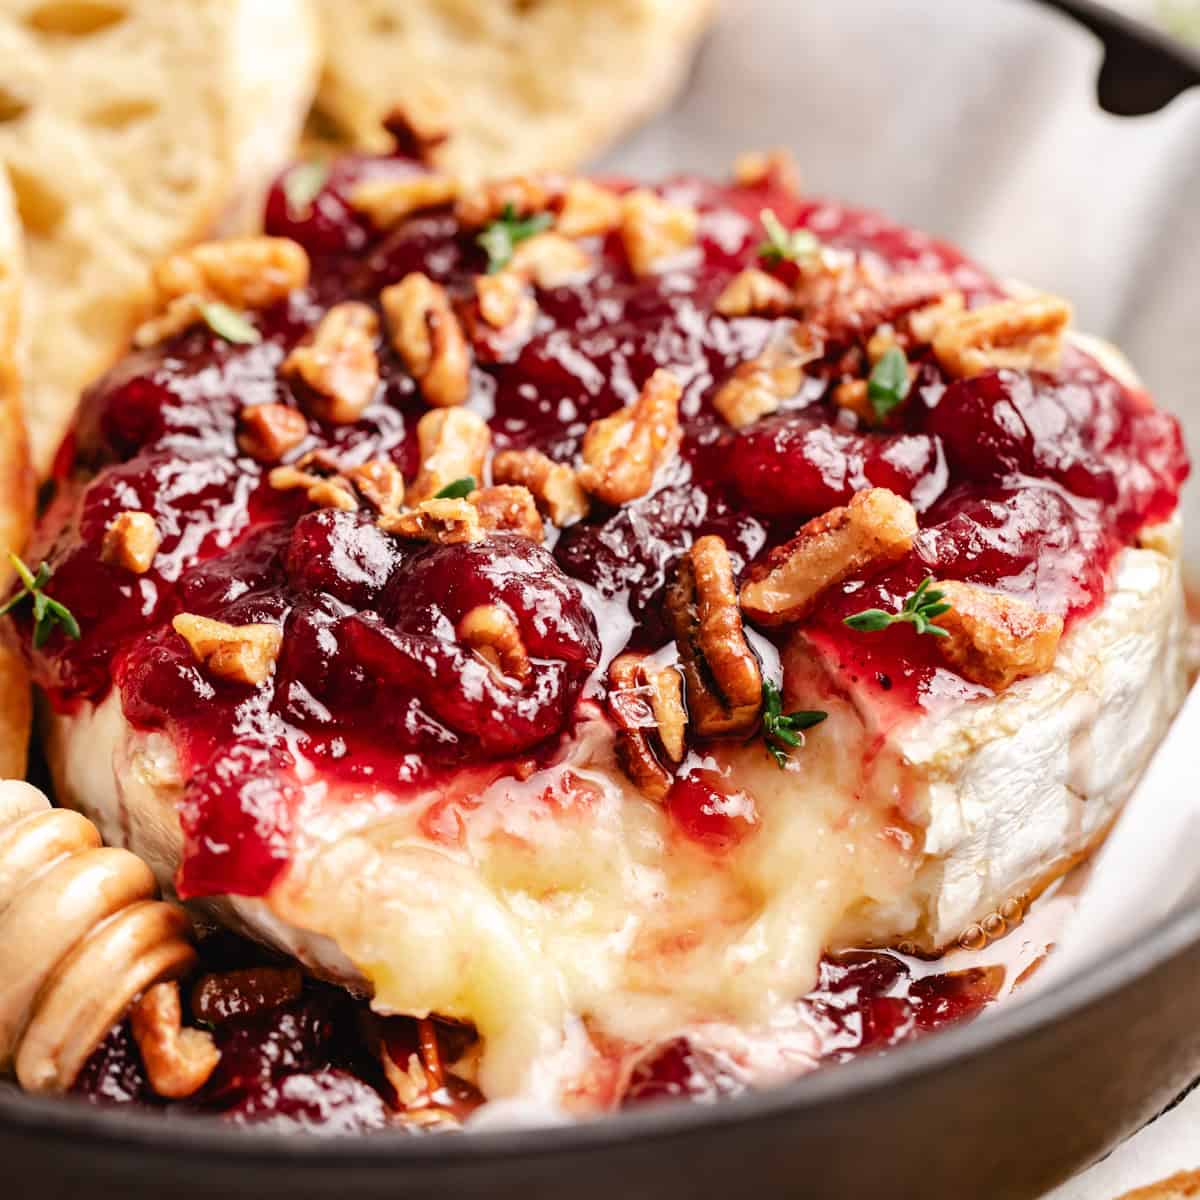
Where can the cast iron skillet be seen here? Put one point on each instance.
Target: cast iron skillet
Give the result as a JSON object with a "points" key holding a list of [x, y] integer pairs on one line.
{"points": [[1006, 1107]]}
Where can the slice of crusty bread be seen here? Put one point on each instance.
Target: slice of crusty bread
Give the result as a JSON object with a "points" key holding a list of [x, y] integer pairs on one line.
{"points": [[520, 85], [16, 486], [130, 128], [1178, 1187]]}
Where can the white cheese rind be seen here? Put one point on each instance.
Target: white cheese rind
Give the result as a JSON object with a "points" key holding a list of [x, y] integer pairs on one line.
{"points": [[541, 914]]}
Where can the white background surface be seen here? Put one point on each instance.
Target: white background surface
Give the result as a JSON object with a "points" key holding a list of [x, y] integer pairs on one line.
{"points": [[976, 119]]}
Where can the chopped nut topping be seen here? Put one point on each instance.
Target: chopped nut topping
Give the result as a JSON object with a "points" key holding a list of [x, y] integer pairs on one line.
{"points": [[996, 639], [248, 272], [505, 508], [550, 260], [724, 683], [131, 540], [338, 365], [181, 313], [753, 293], [623, 452], [1022, 334], [266, 432], [554, 485], [853, 395], [241, 653], [178, 1061], [323, 491], [454, 443], [428, 337], [587, 210], [446, 522], [387, 202], [776, 168], [758, 386], [924, 323], [504, 300], [876, 527], [380, 483], [646, 705], [492, 632], [654, 231], [523, 194]]}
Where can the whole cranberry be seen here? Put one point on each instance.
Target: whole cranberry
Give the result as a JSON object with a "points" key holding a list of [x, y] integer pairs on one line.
{"points": [[342, 553], [679, 1070]]}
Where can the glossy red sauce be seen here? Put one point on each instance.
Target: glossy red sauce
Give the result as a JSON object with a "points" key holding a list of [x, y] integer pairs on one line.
{"points": [[313, 1063], [1027, 483]]}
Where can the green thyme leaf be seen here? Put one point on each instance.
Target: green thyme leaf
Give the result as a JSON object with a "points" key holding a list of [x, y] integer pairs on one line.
{"points": [[783, 731], [230, 324], [47, 613], [458, 489], [500, 238], [782, 245], [920, 610], [889, 383], [301, 186]]}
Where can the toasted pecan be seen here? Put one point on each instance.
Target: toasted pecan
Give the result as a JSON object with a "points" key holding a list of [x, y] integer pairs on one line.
{"points": [[240, 653], [554, 486], [759, 386], [996, 639], [178, 1061], [622, 453], [875, 528], [337, 364], [427, 335], [247, 272], [647, 708], [266, 432], [586, 209], [721, 672], [454, 444], [387, 202], [1024, 334], [492, 632], [447, 522], [131, 540], [654, 231], [753, 293], [508, 508], [775, 168]]}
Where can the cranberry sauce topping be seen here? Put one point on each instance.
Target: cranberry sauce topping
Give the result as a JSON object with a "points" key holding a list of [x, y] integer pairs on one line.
{"points": [[1026, 482]]}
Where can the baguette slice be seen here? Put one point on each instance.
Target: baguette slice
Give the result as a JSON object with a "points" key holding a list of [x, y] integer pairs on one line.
{"points": [[131, 128], [16, 487], [1178, 1187], [519, 86]]}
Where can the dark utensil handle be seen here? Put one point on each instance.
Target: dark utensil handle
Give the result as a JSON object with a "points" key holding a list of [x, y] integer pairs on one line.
{"points": [[1144, 68]]}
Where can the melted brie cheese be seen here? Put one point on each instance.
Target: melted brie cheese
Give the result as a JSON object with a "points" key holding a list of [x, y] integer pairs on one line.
{"points": [[565, 910]]}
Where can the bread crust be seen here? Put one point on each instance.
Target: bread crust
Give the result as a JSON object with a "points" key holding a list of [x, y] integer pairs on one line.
{"points": [[16, 488]]}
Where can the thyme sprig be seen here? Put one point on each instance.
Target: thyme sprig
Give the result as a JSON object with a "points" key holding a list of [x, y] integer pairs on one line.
{"points": [[501, 237], [228, 323], [783, 732], [47, 613], [920, 610], [457, 490], [784, 245], [889, 383]]}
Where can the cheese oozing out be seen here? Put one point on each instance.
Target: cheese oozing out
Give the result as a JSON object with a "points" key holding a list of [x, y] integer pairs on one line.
{"points": [[565, 912]]}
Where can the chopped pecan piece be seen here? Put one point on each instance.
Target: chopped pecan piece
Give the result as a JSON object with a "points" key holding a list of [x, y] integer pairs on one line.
{"points": [[854, 396], [179, 314], [553, 485], [387, 202], [492, 632], [587, 210], [454, 444], [521, 194], [655, 231], [178, 1061], [266, 432], [241, 653], [647, 708], [721, 672], [550, 260], [338, 365], [131, 540], [623, 452], [1024, 334], [876, 527], [380, 483], [248, 272], [924, 323], [446, 522], [758, 386], [324, 491], [776, 168], [995, 639], [504, 300], [428, 337], [753, 293], [506, 508]]}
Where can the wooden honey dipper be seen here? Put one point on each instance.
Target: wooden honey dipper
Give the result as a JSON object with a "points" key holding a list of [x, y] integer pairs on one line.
{"points": [[82, 935]]}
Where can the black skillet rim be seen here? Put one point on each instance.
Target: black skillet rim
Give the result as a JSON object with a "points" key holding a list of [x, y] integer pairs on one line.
{"points": [[51, 1120]]}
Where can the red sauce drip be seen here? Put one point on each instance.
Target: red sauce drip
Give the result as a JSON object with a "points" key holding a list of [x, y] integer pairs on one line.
{"points": [[1029, 484]]}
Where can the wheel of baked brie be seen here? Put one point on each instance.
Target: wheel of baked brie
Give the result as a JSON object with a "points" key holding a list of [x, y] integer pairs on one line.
{"points": [[583, 613]]}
